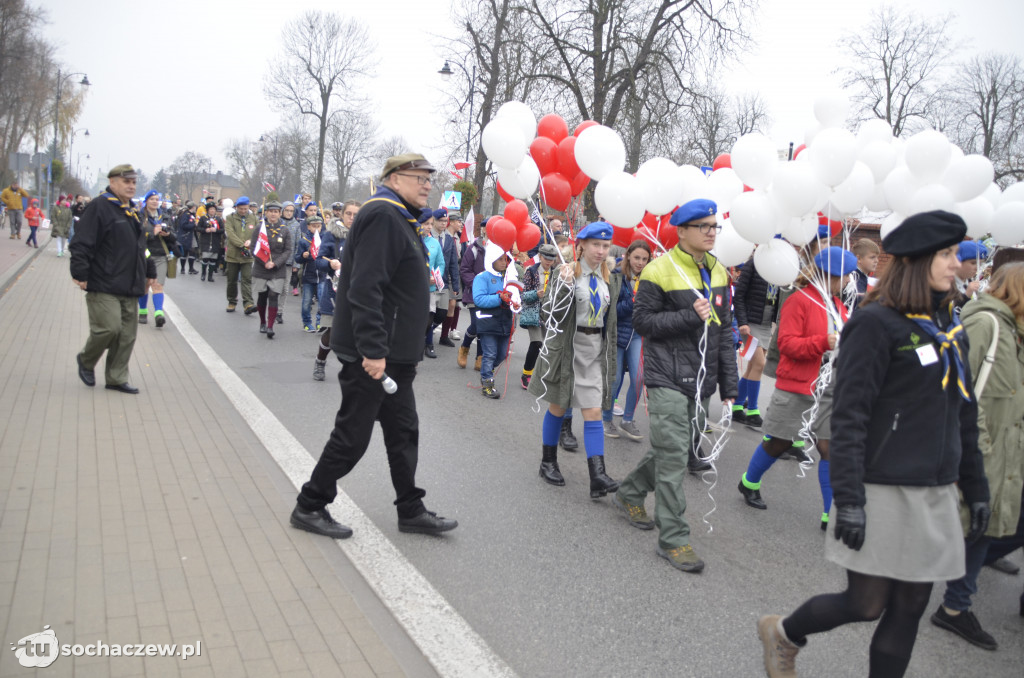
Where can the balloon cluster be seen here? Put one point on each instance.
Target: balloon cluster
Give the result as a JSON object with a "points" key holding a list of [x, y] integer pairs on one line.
{"points": [[514, 228]]}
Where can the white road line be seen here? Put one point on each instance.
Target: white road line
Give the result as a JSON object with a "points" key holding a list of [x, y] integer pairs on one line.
{"points": [[447, 641]]}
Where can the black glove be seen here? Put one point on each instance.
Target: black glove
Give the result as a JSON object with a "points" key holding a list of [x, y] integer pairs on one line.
{"points": [[850, 525], [980, 514]]}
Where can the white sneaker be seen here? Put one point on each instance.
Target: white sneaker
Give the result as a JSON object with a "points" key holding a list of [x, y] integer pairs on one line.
{"points": [[618, 410], [455, 335]]}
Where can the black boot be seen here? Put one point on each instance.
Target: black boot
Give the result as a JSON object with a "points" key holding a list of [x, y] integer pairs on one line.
{"points": [[600, 483], [192, 266], [695, 465], [203, 276], [566, 439], [549, 465], [182, 265]]}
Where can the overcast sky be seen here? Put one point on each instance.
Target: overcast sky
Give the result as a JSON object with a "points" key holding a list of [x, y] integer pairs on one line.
{"points": [[188, 74]]}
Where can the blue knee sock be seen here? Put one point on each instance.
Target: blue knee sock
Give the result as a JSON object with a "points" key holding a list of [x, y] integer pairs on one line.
{"points": [[825, 480], [550, 429], [759, 463], [143, 300], [158, 302], [753, 390], [593, 438], [741, 394]]}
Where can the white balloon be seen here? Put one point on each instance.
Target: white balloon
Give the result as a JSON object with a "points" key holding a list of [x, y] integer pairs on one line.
{"points": [[692, 184], [876, 202], [879, 157], [1008, 223], [968, 177], [900, 186], [977, 214], [522, 115], [1013, 192], [504, 143], [753, 216], [874, 130], [800, 230], [833, 153], [600, 152], [723, 186], [754, 158], [730, 248], [890, 224], [929, 198], [619, 198], [927, 155], [831, 107], [777, 262], [659, 177], [993, 194], [849, 197], [955, 153], [522, 181], [796, 188], [810, 134]]}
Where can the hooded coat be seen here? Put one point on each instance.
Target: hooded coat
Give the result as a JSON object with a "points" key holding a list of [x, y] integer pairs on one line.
{"points": [[493, 316]]}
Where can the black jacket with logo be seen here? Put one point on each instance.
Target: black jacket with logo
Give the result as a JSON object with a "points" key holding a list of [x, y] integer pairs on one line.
{"points": [[892, 422], [109, 249], [384, 288]]}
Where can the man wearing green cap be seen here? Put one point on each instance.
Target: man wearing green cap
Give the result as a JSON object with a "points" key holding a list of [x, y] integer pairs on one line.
{"points": [[240, 230], [110, 263]]}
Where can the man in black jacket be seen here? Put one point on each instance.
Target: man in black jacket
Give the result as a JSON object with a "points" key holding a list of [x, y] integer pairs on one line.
{"points": [[109, 262], [381, 310]]}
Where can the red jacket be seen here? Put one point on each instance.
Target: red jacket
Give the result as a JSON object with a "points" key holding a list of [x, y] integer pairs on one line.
{"points": [[803, 340], [34, 216]]}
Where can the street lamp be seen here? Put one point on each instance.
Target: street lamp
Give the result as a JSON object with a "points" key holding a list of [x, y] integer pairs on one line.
{"points": [[71, 144], [56, 116], [446, 74], [263, 138]]}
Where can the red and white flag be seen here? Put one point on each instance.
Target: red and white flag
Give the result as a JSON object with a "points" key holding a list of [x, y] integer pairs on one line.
{"points": [[269, 186], [262, 249], [748, 347], [467, 227], [314, 247]]}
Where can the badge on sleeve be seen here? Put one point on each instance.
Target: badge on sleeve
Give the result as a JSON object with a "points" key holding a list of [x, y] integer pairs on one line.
{"points": [[718, 300], [926, 354]]}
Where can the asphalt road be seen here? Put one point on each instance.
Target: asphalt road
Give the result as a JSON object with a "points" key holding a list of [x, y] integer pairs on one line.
{"points": [[559, 584]]}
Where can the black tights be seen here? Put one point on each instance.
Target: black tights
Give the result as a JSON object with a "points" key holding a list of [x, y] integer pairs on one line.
{"points": [[900, 605], [325, 345], [531, 355]]}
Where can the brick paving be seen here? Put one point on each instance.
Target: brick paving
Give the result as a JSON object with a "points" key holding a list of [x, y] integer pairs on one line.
{"points": [[154, 518]]}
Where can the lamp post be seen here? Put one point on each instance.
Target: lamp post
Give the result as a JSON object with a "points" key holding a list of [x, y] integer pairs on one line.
{"points": [[446, 74], [263, 138], [71, 143], [56, 116]]}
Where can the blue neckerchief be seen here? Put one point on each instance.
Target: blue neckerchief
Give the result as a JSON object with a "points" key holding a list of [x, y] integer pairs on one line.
{"points": [[595, 300], [129, 209], [705, 277], [948, 346], [385, 194]]}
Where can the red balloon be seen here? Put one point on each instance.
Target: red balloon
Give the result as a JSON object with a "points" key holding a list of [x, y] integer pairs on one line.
{"points": [[724, 160], [505, 195], [542, 150], [502, 233], [650, 221], [799, 149], [834, 225], [553, 127], [747, 189], [527, 236], [517, 212], [584, 125], [667, 233], [566, 154], [556, 191], [579, 183], [623, 237]]}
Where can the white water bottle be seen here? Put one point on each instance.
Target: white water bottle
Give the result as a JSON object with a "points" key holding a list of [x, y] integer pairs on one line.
{"points": [[389, 384]]}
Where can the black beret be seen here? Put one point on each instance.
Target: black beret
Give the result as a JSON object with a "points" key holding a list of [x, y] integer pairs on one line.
{"points": [[925, 233]]}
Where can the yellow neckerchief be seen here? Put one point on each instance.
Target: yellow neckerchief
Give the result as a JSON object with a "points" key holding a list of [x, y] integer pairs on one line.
{"points": [[949, 347], [129, 209], [681, 259]]}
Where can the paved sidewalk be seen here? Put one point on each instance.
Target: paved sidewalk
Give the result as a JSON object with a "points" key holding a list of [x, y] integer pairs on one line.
{"points": [[157, 518], [14, 254]]}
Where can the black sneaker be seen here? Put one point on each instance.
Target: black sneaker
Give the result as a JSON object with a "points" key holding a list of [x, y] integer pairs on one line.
{"points": [[427, 522], [160, 320], [752, 418], [445, 341], [319, 522], [739, 416], [966, 626]]}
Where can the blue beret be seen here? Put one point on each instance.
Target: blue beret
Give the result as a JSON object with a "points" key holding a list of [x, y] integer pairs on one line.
{"points": [[150, 194], [306, 206], [598, 230], [244, 200], [692, 211], [925, 233], [425, 216], [441, 213], [971, 249], [836, 261], [824, 231]]}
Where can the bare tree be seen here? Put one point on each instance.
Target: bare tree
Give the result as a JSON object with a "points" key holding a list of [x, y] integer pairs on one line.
{"points": [[317, 68], [351, 144], [249, 162], [189, 170], [750, 114], [898, 58]]}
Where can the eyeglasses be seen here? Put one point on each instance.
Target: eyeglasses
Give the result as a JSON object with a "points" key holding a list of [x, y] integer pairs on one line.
{"points": [[422, 180], [706, 228]]}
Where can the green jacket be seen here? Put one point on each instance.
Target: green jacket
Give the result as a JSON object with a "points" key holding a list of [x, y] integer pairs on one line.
{"points": [[60, 221], [1000, 408], [553, 377], [236, 232]]}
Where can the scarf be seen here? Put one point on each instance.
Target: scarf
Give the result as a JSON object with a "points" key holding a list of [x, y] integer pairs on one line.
{"points": [[949, 347], [128, 208], [385, 194]]}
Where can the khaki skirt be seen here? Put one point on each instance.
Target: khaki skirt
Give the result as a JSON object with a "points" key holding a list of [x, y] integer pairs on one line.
{"points": [[586, 366]]}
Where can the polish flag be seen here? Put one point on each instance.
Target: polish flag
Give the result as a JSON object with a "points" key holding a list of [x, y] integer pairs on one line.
{"points": [[262, 249], [269, 186], [314, 247], [748, 347], [467, 227]]}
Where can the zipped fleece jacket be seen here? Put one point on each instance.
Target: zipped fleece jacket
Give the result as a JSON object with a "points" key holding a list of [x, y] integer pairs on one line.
{"points": [[803, 340], [384, 287], [663, 315]]}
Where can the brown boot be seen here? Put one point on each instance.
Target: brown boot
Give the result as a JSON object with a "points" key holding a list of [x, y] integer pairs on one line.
{"points": [[779, 652], [463, 356], [476, 365]]}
